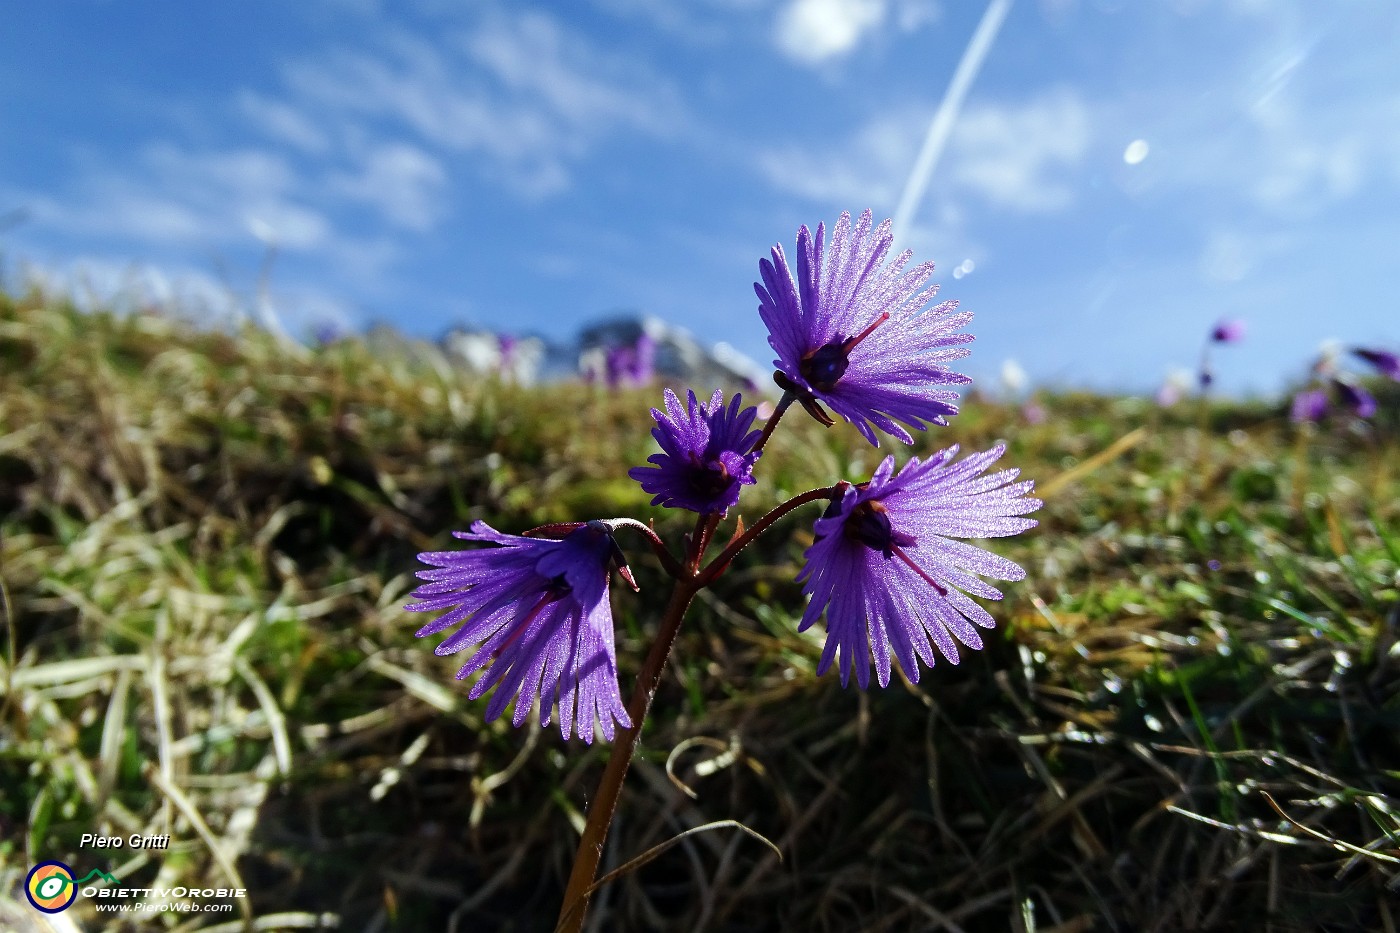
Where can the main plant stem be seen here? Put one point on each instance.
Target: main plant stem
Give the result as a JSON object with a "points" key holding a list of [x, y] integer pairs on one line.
{"points": [[600, 812], [690, 579]]}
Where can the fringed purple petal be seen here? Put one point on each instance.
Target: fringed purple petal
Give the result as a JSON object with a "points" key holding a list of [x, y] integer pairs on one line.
{"points": [[889, 573]]}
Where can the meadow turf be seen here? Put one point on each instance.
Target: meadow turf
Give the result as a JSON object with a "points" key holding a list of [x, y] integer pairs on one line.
{"points": [[1187, 719]]}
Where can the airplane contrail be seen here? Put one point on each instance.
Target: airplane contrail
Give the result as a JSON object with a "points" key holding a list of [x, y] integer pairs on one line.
{"points": [[947, 114]]}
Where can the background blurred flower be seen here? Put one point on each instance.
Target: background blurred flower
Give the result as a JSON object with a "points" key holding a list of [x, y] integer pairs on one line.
{"points": [[1174, 387], [1229, 330], [1309, 405], [1013, 377], [1385, 362], [1355, 398]]}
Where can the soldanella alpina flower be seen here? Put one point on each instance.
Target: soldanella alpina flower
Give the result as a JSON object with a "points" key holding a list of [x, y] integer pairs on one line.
{"points": [[857, 334], [1308, 405], [890, 574], [1228, 330], [1354, 397], [705, 456], [1385, 362], [889, 569], [537, 609]]}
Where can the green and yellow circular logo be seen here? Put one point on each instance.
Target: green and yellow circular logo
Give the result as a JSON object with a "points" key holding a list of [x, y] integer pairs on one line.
{"points": [[50, 887]]}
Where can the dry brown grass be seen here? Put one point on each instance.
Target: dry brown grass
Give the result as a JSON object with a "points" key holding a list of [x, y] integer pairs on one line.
{"points": [[207, 538]]}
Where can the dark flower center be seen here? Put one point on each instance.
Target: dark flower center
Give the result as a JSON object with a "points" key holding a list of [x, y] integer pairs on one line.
{"points": [[869, 524], [824, 366], [710, 478], [556, 589]]}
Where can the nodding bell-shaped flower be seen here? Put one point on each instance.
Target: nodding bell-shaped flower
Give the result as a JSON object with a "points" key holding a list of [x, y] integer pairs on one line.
{"points": [[537, 611], [888, 572]]}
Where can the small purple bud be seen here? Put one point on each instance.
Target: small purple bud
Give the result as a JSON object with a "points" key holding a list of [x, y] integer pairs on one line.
{"points": [[1033, 412], [1230, 330], [1385, 362], [1308, 405], [1354, 397], [1213, 564]]}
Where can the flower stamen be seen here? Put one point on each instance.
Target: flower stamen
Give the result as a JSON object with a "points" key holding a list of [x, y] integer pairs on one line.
{"points": [[869, 523], [824, 366]]}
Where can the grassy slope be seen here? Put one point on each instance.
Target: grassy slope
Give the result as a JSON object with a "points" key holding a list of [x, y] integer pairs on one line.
{"points": [[206, 541]]}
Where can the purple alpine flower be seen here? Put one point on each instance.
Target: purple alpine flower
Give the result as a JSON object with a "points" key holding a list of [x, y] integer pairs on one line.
{"points": [[1308, 405], [1230, 330], [705, 454], [644, 359], [617, 363], [1354, 397], [849, 331], [887, 570], [1385, 362], [537, 609]]}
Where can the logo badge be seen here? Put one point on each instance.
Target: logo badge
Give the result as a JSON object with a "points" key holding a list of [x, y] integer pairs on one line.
{"points": [[50, 887]]}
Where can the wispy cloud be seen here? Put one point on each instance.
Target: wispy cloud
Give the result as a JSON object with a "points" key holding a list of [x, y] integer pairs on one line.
{"points": [[1017, 156], [169, 194], [282, 122], [523, 94], [813, 32], [403, 182], [404, 122]]}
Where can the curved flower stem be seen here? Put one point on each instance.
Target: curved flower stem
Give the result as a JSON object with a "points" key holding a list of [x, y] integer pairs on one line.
{"points": [[658, 547], [788, 398], [600, 812], [716, 566]]}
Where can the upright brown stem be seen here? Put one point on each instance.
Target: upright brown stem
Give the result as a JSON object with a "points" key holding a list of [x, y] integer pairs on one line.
{"points": [[689, 581], [600, 812]]}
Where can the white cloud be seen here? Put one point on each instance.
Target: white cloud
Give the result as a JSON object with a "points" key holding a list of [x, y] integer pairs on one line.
{"points": [[1230, 254], [913, 15], [1018, 156], [524, 94], [868, 169], [815, 31], [283, 122], [403, 182], [533, 56], [1014, 156], [287, 225], [171, 195], [392, 124]]}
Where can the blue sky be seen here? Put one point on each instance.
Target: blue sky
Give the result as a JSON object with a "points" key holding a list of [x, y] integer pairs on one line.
{"points": [[1121, 174]]}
